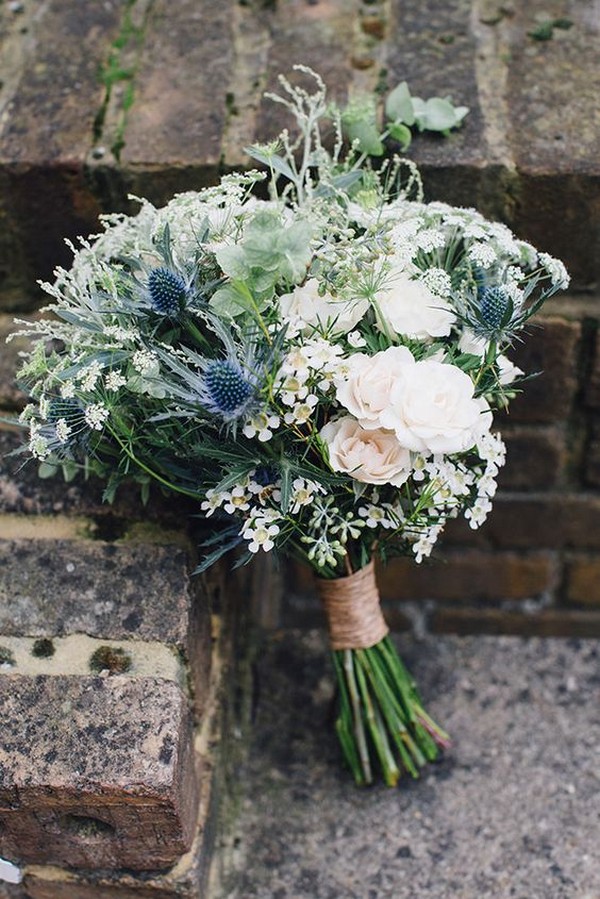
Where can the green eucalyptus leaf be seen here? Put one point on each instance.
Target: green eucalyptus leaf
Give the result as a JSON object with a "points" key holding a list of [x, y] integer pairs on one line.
{"points": [[367, 135], [401, 133], [437, 114], [399, 105], [47, 470], [232, 299]]}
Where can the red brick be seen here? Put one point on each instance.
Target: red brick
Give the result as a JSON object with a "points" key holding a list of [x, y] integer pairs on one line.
{"points": [[544, 521], [547, 623], [552, 350], [535, 458], [592, 389], [592, 456], [583, 580], [460, 575], [469, 575], [95, 772]]}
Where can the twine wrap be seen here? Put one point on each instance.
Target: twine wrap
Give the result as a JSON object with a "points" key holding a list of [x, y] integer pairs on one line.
{"points": [[353, 609]]}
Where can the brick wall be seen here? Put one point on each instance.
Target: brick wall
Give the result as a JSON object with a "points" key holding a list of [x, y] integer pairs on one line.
{"points": [[183, 95]]}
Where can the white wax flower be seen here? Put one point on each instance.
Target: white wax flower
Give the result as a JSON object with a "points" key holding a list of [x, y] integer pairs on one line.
{"points": [[305, 305], [374, 457], [408, 307], [364, 390], [433, 410]]}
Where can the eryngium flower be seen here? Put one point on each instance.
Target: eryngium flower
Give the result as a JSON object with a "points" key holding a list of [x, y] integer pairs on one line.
{"points": [[228, 392], [167, 291], [494, 305]]}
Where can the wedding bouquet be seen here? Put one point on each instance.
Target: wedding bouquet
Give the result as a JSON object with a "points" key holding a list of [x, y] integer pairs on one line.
{"points": [[318, 369]]}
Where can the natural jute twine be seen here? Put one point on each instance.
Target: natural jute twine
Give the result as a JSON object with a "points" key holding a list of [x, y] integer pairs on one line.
{"points": [[353, 610]]}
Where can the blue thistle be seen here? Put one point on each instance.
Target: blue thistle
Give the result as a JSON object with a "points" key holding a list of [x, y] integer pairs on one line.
{"points": [[494, 305], [67, 408], [167, 291], [228, 391]]}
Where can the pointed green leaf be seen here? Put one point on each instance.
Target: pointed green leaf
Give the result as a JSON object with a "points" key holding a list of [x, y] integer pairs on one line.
{"points": [[399, 105]]}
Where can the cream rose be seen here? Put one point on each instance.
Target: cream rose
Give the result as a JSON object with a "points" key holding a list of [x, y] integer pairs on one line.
{"points": [[408, 307], [374, 457], [306, 306], [364, 390], [433, 410]]}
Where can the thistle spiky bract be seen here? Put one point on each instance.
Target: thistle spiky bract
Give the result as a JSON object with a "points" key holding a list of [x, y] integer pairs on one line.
{"points": [[227, 388], [167, 291]]}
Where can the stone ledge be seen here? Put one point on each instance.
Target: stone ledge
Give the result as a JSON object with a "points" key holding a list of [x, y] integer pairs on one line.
{"points": [[97, 772]]}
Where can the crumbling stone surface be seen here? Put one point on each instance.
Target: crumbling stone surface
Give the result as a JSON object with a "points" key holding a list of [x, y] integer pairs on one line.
{"points": [[95, 772]]}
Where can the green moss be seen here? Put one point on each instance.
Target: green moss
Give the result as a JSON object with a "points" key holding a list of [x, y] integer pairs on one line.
{"points": [[6, 656], [110, 658], [43, 648]]}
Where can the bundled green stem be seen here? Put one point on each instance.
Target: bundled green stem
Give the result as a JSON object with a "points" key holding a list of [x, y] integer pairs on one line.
{"points": [[381, 720]]}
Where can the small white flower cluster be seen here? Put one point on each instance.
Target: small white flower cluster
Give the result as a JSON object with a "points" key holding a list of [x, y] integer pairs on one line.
{"points": [[96, 415], [145, 362], [492, 451]]}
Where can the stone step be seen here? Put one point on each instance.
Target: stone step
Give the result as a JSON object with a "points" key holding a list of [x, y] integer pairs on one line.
{"points": [[117, 670], [181, 93], [509, 811]]}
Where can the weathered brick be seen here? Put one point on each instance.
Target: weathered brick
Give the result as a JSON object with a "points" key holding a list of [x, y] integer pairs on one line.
{"points": [[23, 492], [547, 623], [535, 458], [554, 141], [551, 350], [433, 46], [592, 387], [317, 35], [469, 575], [45, 137], [175, 125], [52, 588], [583, 580], [553, 521], [96, 772], [592, 457]]}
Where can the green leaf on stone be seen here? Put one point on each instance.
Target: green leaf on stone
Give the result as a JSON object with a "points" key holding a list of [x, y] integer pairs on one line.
{"points": [[437, 114], [399, 106], [367, 135], [400, 133]]}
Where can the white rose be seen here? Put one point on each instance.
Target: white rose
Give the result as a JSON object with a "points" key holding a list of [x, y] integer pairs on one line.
{"points": [[374, 457], [408, 307], [305, 305], [433, 409], [365, 388]]}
